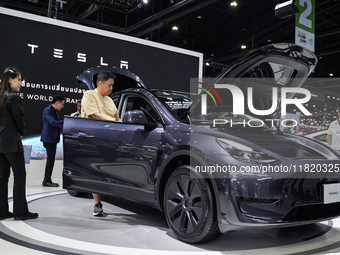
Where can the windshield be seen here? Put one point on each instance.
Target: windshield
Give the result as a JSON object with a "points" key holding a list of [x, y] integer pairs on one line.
{"points": [[176, 102]]}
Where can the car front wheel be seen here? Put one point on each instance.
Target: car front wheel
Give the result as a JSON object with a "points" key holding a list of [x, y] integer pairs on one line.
{"points": [[189, 206]]}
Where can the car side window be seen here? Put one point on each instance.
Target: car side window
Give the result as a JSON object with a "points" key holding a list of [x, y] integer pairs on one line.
{"points": [[135, 103], [322, 137]]}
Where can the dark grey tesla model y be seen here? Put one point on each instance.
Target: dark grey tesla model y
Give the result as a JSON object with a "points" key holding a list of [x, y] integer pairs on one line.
{"points": [[208, 172]]}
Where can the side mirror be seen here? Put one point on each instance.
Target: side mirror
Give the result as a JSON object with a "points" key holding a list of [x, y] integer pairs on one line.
{"points": [[136, 116], [139, 117]]}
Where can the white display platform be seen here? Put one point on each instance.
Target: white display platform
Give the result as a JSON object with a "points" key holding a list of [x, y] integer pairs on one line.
{"points": [[66, 226]]}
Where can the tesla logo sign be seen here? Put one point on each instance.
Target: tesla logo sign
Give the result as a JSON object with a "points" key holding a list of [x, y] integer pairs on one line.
{"points": [[81, 57], [238, 100]]}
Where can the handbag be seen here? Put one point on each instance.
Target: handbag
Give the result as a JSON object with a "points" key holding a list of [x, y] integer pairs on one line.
{"points": [[27, 153]]}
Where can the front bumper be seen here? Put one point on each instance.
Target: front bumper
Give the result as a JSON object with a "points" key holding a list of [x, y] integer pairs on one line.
{"points": [[274, 200]]}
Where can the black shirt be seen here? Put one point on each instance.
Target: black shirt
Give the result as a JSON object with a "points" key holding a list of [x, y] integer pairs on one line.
{"points": [[12, 124]]}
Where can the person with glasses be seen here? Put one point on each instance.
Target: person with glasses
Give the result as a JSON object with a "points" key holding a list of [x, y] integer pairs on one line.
{"points": [[11, 149]]}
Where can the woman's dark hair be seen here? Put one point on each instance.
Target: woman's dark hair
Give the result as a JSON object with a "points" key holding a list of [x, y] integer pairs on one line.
{"points": [[5, 87]]}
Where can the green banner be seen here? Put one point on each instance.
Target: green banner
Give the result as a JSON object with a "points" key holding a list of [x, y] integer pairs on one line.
{"points": [[305, 19]]}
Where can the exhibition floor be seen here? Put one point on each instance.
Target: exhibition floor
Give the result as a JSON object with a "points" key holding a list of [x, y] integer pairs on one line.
{"points": [[66, 226]]}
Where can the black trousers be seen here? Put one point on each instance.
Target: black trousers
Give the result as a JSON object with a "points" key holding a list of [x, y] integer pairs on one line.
{"points": [[17, 162], [51, 149]]}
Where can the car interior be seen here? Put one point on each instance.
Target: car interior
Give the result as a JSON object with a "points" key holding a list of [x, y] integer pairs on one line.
{"points": [[132, 103]]}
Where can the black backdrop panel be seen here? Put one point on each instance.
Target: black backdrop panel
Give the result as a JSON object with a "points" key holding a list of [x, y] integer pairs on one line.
{"points": [[51, 53]]}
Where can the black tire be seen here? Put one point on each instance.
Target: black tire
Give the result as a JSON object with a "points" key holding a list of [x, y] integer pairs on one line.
{"points": [[189, 207], [75, 193]]}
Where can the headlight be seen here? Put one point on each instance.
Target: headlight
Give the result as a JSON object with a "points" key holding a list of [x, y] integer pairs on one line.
{"points": [[245, 153]]}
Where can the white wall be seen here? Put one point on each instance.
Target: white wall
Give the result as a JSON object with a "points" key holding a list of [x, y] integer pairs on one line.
{"points": [[35, 172]]}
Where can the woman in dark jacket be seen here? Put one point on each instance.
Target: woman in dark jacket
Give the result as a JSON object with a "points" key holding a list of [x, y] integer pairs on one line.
{"points": [[11, 150]]}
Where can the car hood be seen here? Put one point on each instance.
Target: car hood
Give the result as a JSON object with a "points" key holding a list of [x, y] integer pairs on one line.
{"points": [[124, 79], [276, 65], [287, 146], [282, 145]]}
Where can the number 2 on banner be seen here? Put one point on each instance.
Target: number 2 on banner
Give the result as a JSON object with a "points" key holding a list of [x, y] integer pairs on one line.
{"points": [[303, 20]]}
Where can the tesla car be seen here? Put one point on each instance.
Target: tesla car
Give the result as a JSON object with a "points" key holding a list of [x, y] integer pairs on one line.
{"points": [[210, 172], [319, 135]]}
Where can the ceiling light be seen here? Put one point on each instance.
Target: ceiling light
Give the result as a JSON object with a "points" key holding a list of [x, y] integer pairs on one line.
{"points": [[145, 1], [330, 74], [286, 9], [207, 64], [199, 16], [233, 4], [243, 47], [175, 28]]}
